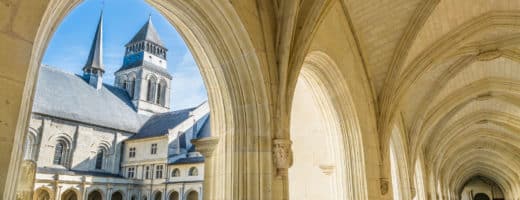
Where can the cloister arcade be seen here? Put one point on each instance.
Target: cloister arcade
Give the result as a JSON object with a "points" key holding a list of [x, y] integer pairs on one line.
{"points": [[402, 99]]}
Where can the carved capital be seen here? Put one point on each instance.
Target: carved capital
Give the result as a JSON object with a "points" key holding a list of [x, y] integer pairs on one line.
{"points": [[282, 155], [206, 146], [384, 186]]}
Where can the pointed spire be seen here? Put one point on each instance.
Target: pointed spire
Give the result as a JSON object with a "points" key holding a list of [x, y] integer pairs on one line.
{"points": [[94, 69], [147, 32], [95, 57]]}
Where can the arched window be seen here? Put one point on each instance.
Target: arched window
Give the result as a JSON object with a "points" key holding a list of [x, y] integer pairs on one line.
{"points": [[176, 172], [194, 171], [131, 86], [99, 159], [161, 93], [61, 152], [151, 90]]}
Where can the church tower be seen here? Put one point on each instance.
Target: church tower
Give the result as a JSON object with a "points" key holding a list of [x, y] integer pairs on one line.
{"points": [[94, 69], [144, 74]]}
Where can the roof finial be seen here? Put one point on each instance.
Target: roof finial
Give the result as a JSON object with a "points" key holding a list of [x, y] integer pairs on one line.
{"points": [[150, 17]]}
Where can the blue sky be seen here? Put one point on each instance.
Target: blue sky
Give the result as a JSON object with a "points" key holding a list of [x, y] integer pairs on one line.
{"points": [[69, 47]]}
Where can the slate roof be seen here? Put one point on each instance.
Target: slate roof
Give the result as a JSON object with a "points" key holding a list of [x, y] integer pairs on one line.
{"points": [[197, 159], [75, 172], [69, 96], [205, 130], [147, 32], [159, 124], [150, 66]]}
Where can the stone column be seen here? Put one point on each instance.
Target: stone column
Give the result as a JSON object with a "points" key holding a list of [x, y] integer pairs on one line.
{"points": [[109, 192], [83, 192], [283, 159], [206, 146], [26, 181]]}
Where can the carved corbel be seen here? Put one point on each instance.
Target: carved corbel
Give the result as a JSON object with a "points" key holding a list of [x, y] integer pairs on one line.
{"points": [[206, 146], [282, 155]]}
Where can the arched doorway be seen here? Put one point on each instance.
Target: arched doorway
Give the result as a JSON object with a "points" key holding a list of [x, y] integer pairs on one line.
{"points": [[42, 194], [174, 195], [117, 196], [481, 196], [69, 195], [95, 195], [157, 196], [193, 195]]}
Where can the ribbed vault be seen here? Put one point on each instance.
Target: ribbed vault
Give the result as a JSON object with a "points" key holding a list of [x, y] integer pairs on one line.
{"points": [[457, 89]]}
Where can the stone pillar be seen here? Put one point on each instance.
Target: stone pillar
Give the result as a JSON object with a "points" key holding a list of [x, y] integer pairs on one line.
{"points": [[283, 159], [58, 193], [26, 181], [83, 191], [109, 192], [206, 146]]}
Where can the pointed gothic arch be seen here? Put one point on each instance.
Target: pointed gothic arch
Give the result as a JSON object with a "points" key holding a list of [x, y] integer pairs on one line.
{"points": [[345, 142], [220, 44]]}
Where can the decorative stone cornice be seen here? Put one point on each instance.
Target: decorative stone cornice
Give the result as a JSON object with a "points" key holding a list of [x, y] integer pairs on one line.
{"points": [[282, 155], [206, 146]]}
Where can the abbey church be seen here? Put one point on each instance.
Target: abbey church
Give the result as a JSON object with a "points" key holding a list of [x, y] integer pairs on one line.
{"points": [[95, 141], [310, 99]]}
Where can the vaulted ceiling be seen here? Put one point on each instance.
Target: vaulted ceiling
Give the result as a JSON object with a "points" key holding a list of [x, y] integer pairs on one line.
{"points": [[450, 71]]}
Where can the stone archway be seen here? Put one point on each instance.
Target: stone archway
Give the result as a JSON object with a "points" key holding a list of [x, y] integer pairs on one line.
{"points": [[327, 141], [230, 68], [174, 196], [157, 195], [42, 194], [117, 196], [193, 195], [69, 195], [95, 195]]}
